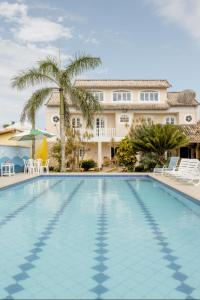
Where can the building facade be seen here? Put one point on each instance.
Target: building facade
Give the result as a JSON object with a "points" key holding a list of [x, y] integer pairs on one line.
{"points": [[122, 103]]}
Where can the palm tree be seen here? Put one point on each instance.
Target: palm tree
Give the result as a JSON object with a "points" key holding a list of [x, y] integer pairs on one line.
{"points": [[49, 71], [31, 107], [157, 139]]}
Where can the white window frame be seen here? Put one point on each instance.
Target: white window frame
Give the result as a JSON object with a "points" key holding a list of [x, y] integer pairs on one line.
{"points": [[170, 117], [147, 96], [76, 122], [118, 96], [103, 118], [124, 116], [97, 94]]}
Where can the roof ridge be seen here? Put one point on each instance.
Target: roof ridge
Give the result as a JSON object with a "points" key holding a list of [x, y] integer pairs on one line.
{"points": [[121, 80]]}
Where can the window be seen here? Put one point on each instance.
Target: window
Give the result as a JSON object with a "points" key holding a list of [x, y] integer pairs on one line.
{"points": [[76, 122], [55, 119], [170, 120], [98, 95], [124, 118], [149, 96], [122, 96], [188, 118], [82, 152]]}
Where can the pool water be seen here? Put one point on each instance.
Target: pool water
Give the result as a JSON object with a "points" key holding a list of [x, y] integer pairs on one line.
{"points": [[98, 238]]}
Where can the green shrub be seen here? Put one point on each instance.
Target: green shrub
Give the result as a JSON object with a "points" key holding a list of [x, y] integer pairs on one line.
{"points": [[125, 155], [88, 164]]}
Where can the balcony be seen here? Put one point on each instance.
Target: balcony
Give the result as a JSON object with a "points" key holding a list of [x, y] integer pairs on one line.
{"points": [[99, 134]]}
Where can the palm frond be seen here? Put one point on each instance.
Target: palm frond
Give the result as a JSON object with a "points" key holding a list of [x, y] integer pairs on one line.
{"points": [[50, 67], [81, 63], [34, 103], [30, 78], [86, 102]]}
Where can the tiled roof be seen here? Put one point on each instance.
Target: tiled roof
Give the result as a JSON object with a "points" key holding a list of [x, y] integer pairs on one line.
{"points": [[138, 106], [173, 100], [192, 131], [123, 83]]}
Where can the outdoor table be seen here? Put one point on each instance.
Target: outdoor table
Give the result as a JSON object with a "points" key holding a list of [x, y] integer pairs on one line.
{"points": [[7, 169]]}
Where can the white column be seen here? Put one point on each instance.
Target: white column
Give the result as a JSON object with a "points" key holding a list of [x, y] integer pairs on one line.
{"points": [[99, 155]]}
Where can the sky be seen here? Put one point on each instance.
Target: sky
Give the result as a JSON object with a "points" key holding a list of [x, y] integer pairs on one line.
{"points": [[135, 39]]}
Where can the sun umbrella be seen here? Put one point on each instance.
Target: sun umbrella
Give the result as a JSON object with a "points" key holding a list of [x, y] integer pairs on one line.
{"points": [[32, 134]]}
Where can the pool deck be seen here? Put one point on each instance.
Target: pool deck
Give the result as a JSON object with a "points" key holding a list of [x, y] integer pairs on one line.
{"points": [[17, 178], [188, 189]]}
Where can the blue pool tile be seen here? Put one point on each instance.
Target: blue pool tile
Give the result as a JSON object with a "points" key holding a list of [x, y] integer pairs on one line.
{"points": [[99, 289], [31, 258], [14, 288], [170, 257], [174, 266], [100, 278], [26, 267], [180, 276], [184, 288], [21, 276]]}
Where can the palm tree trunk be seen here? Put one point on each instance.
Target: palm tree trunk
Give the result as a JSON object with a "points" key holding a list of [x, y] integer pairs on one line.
{"points": [[33, 141], [62, 130]]}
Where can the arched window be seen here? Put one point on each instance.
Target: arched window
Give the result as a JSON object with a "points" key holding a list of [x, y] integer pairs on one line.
{"points": [[170, 120], [149, 96], [121, 95], [124, 118], [98, 95], [76, 122]]}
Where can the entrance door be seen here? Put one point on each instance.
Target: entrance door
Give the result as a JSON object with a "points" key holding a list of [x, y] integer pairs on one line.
{"points": [[185, 152], [100, 126]]}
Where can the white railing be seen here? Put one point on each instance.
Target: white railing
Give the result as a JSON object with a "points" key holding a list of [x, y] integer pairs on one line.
{"points": [[97, 133]]}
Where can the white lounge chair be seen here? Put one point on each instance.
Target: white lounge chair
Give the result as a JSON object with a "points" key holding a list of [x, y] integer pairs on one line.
{"points": [[187, 168], [180, 169], [192, 173], [172, 165]]}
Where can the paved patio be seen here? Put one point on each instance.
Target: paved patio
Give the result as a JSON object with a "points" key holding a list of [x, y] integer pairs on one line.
{"points": [[19, 177]]}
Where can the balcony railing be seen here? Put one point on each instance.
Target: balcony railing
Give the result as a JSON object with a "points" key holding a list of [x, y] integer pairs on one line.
{"points": [[97, 133]]}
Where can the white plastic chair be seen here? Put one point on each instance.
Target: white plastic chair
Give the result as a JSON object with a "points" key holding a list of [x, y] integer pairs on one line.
{"points": [[25, 165], [38, 165], [31, 166], [45, 167]]}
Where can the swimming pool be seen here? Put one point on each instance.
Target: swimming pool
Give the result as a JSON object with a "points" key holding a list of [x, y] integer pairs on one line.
{"points": [[98, 237]]}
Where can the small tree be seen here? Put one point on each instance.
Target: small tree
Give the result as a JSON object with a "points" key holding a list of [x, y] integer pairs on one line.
{"points": [[157, 138], [126, 154], [74, 142]]}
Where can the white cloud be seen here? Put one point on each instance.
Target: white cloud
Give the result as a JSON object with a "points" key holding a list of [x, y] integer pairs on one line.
{"points": [[10, 10], [32, 29], [184, 13], [41, 30]]}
